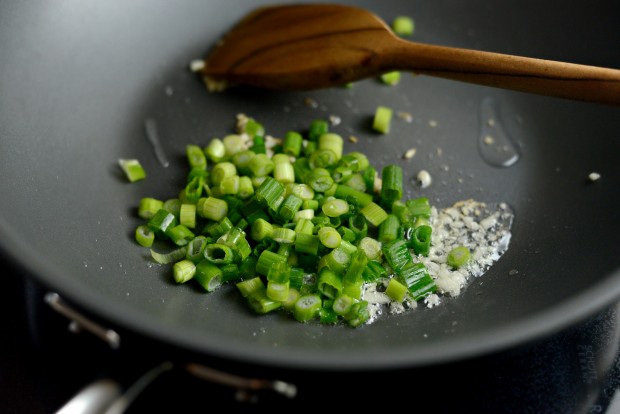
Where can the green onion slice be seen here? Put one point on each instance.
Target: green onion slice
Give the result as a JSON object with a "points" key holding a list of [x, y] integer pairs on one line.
{"points": [[133, 169], [458, 257], [296, 224]]}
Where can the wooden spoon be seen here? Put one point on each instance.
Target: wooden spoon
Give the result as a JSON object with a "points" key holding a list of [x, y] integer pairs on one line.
{"points": [[312, 46]]}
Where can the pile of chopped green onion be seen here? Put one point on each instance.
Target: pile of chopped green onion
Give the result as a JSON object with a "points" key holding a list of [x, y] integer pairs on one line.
{"points": [[298, 227]]}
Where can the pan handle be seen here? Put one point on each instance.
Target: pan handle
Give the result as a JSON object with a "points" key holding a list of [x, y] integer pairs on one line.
{"points": [[93, 399], [105, 396], [108, 396], [79, 321]]}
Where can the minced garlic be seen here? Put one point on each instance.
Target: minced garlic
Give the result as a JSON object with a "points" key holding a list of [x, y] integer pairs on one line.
{"points": [[484, 229]]}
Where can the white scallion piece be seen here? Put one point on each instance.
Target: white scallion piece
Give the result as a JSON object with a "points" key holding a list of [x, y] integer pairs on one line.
{"points": [[410, 153], [196, 65], [424, 178]]}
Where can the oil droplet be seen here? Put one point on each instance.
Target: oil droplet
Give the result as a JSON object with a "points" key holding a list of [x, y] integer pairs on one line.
{"points": [[495, 145], [151, 133]]}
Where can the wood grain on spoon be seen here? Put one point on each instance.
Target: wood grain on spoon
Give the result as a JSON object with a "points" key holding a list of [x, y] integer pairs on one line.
{"points": [[313, 46]]}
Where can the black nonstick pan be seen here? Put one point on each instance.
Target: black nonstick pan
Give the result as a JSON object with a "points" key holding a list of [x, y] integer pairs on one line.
{"points": [[78, 81]]}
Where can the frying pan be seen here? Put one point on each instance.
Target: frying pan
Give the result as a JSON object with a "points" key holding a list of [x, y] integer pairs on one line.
{"points": [[78, 80]]}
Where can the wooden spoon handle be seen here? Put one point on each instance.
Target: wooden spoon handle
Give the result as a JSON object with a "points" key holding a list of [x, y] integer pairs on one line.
{"points": [[546, 77]]}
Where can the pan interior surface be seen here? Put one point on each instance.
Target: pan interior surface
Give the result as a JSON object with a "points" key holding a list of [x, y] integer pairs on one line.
{"points": [[79, 81]]}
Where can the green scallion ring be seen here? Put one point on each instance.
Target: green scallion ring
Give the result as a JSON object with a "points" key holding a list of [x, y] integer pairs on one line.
{"points": [[144, 236], [458, 257]]}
